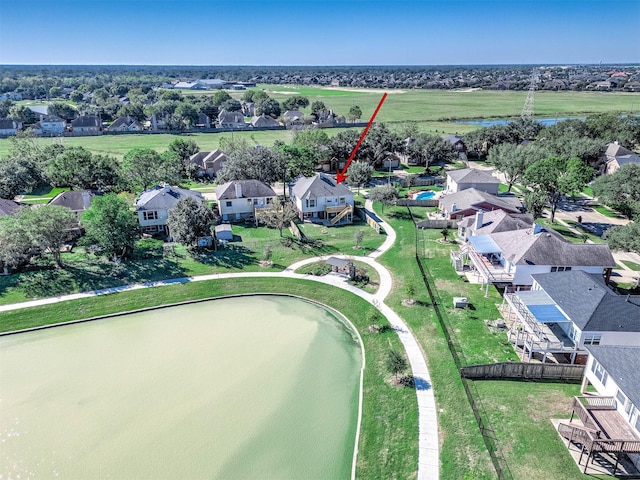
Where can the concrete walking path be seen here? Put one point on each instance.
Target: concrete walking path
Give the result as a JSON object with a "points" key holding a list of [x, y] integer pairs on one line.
{"points": [[428, 444]]}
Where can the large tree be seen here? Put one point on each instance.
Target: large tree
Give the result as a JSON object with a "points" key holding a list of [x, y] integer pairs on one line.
{"points": [[77, 167], [513, 160], [17, 176], [23, 113], [62, 110], [359, 173], [625, 237], [145, 167], [386, 195], [220, 97], [620, 190], [317, 107], [298, 160], [248, 162], [268, 106], [110, 225], [557, 177], [277, 215], [354, 113], [381, 142], [189, 221], [185, 149], [295, 102], [425, 149], [48, 228], [14, 243], [187, 115]]}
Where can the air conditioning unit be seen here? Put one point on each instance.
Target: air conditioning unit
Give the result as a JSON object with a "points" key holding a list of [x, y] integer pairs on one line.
{"points": [[460, 302]]}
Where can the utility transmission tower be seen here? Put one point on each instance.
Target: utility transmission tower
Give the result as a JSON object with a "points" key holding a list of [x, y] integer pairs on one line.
{"points": [[527, 110]]}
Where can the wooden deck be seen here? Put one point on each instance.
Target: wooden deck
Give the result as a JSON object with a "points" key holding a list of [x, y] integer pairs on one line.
{"points": [[613, 426]]}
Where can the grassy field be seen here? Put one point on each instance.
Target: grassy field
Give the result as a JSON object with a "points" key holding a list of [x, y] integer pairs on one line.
{"points": [[519, 412], [387, 447], [154, 260], [433, 110]]}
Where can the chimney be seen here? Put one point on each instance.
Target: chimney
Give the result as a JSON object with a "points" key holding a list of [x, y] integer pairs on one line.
{"points": [[478, 224], [537, 228], [454, 207], [86, 199], [238, 190], [167, 188]]}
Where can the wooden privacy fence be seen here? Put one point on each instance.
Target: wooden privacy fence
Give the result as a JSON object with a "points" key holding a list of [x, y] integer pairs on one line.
{"points": [[367, 217], [438, 224], [526, 371], [407, 202]]}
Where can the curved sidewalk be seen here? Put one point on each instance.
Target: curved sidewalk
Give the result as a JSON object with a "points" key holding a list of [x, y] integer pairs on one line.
{"points": [[428, 446]]}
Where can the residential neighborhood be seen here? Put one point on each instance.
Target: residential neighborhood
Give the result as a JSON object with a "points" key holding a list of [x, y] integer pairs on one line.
{"points": [[509, 249]]}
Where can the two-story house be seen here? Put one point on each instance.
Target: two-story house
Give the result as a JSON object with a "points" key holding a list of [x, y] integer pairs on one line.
{"points": [[482, 180], [125, 124], [209, 163], [9, 126], [234, 120], [49, 125], [153, 207], [87, 124], [512, 257], [567, 310], [607, 424], [239, 199], [320, 198]]}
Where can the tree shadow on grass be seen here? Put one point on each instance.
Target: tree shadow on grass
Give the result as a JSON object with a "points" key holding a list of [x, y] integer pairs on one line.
{"points": [[231, 256]]}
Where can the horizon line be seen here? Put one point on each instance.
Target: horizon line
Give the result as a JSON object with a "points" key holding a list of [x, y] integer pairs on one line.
{"points": [[636, 64]]}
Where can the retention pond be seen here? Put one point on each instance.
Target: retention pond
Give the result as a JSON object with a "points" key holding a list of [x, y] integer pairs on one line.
{"points": [[248, 387]]}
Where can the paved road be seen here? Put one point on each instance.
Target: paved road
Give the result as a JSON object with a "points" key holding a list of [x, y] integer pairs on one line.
{"points": [[428, 445]]}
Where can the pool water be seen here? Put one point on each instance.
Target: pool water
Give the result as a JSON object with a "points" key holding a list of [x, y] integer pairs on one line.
{"points": [[425, 195]]}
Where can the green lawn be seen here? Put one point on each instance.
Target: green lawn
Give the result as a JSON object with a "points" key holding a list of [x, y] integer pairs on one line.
{"points": [[518, 412], [154, 260], [521, 413], [370, 283], [632, 265], [42, 195], [606, 211], [387, 448]]}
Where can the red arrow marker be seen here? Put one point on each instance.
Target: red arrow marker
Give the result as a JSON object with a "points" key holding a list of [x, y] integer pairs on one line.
{"points": [[341, 175]]}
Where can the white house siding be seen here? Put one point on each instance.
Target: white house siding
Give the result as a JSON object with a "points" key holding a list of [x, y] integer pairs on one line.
{"points": [[53, 127], [8, 131], [453, 186], [610, 389], [237, 208], [163, 215], [317, 211], [522, 274]]}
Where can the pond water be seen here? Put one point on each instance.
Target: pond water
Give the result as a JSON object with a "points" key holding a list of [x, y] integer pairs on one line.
{"points": [[249, 387], [504, 121]]}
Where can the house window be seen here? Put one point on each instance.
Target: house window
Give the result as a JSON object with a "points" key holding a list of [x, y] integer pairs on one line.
{"points": [[229, 204], [150, 215], [573, 333], [599, 371], [342, 201], [560, 269], [269, 199], [255, 201], [624, 401], [311, 203], [592, 339]]}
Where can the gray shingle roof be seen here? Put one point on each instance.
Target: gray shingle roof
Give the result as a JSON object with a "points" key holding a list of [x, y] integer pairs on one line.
{"points": [[9, 123], [471, 197], [472, 175], [164, 198], [204, 159], [264, 121], [626, 159], [7, 207], [53, 118], [249, 189], [86, 121], [623, 364], [614, 149], [498, 221], [319, 186], [75, 200], [589, 303], [125, 120], [524, 247]]}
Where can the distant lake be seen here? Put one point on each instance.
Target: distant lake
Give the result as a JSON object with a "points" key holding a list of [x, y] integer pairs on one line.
{"points": [[259, 387], [504, 121]]}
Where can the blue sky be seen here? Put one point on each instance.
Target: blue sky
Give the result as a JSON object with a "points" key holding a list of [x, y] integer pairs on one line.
{"points": [[312, 32]]}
